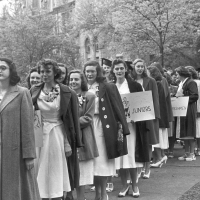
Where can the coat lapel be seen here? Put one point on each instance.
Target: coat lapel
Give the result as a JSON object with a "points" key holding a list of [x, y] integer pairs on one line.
{"points": [[65, 96], [9, 96], [35, 92], [145, 82], [102, 89]]}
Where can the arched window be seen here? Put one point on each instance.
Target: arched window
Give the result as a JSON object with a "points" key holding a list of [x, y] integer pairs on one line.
{"points": [[96, 43], [87, 46]]}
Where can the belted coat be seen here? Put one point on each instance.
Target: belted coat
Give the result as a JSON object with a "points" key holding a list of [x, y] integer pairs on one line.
{"points": [[111, 111], [70, 117], [16, 144]]}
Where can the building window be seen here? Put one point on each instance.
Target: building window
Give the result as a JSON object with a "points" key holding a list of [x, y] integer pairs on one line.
{"points": [[87, 46]]}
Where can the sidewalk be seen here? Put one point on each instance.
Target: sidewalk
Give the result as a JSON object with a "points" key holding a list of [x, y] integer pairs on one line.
{"points": [[167, 183]]}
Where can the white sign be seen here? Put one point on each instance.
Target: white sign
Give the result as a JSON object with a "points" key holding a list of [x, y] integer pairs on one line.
{"points": [[38, 129], [179, 106], [138, 106]]}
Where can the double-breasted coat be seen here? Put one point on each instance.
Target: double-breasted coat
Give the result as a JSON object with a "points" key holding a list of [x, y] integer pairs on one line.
{"points": [[86, 114], [16, 144], [153, 125], [188, 123], [111, 111], [70, 116]]}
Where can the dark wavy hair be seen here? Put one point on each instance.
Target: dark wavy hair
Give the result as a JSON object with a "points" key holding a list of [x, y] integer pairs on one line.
{"points": [[100, 78], [158, 65], [116, 62], [65, 79], [155, 72], [183, 71], [35, 69], [84, 86], [14, 78], [133, 73], [45, 62], [192, 71]]}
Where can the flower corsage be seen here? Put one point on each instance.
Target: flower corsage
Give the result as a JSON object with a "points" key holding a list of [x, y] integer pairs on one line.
{"points": [[81, 100], [50, 96]]}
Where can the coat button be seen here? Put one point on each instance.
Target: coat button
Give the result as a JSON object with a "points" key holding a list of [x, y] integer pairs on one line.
{"points": [[105, 116], [102, 99], [107, 126], [103, 108]]}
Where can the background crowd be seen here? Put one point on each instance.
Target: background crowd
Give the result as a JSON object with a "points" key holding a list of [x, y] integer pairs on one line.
{"points": [[86, 138]]}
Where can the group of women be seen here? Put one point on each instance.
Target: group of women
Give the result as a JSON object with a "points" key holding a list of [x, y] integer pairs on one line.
{"points": [[85, 134]]}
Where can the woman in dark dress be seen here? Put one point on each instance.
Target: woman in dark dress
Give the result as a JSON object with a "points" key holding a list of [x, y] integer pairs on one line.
{"points": [[186, 126]]}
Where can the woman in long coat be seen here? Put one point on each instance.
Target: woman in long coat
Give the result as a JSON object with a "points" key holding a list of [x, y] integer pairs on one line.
{"points": [[109, 112], [186, 126], [64, 99], [137, 141], [139, 74], [17, 146]]}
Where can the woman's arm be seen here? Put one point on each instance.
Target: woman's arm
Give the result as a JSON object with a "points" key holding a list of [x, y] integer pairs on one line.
{"points": [[192, 92], [87, 117]]}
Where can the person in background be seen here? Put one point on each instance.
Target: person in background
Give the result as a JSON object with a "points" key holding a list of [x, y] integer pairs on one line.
{"points": [[194, 76], [89, 151], [64, 73], [139, 74], [137, 141], [106, 65], [186, 126], [159, 154], [33, 78], [61, 133], [17, 148], [109, 118]]}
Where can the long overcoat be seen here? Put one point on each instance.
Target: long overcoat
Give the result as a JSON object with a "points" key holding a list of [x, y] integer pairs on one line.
{"points": [[188, 123], [149, 84], [70, 116], [142, 135], [16, 144], [86, 114], [111, 111]]}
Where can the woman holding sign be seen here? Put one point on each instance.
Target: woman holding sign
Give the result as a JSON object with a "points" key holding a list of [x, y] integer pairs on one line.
{"points": [[139, 74], [186, 126], [137, 141], [110, 126]]}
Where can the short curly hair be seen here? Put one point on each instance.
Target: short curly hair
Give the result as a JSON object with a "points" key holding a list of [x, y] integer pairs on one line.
{"points": [[183, 71], [192, 71], [14, 78], [155, 72], [34, 69], [84, 86], [46, 62], [134, 74]]}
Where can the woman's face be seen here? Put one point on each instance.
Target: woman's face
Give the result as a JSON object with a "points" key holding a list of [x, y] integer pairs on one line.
{"points": [[35, 78], [63, 75], [47, 73], [139, 68], [75, 81], [106, 69], [4, 71], [119, 70], [178, 76], [91, 74]]}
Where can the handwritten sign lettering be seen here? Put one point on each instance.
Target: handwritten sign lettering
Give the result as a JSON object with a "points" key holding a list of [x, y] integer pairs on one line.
{"points": [[138, 106], [179, 106]]}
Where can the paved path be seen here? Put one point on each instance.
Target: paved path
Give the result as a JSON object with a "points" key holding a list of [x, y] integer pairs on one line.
{"points": [[166, 183]]}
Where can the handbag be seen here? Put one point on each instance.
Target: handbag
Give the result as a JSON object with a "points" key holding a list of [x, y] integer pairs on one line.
{"points": [[120, 138]]}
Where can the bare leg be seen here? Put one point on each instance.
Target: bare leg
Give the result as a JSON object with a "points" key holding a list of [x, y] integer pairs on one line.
{"points": [[192, 145], [124, 178], [103, 182], [187, 147], [80, 192], [133, 173], [97, 187], [157, 153], [147, 164]]}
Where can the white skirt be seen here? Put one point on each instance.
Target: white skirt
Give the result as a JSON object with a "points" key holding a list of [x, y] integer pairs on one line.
{"points": [[198, 127], [53, 177], [86, 172], [128, 161], [163, 139], [102, 165]]}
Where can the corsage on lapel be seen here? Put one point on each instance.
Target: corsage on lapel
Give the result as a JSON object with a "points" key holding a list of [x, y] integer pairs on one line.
{"points": [[50, 96], [81, 100]]}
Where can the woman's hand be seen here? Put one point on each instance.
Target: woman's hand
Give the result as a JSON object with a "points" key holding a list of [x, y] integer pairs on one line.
{"points": [[29, 162], [68, 153]]}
